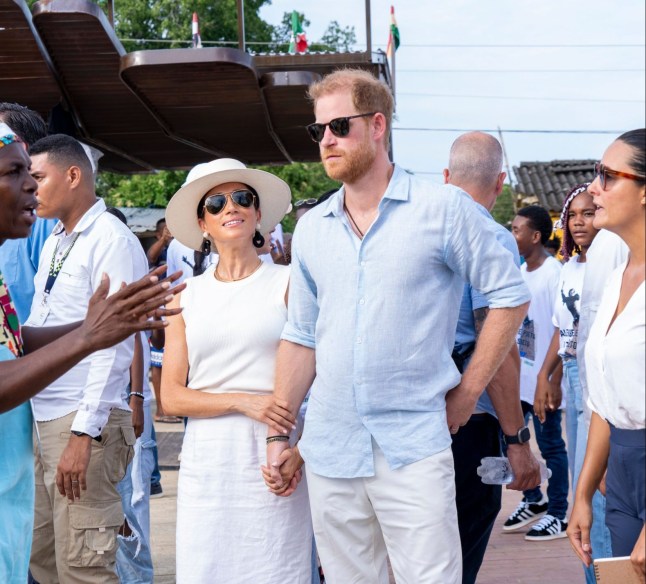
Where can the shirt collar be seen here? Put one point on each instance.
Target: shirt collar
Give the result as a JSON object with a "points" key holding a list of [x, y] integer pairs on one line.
{"points": [[90, 216], [398, 189]]}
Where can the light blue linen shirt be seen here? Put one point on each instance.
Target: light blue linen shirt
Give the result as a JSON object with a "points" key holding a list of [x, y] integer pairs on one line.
{"points": [[465, 335], [19, 263], [381, 314]]}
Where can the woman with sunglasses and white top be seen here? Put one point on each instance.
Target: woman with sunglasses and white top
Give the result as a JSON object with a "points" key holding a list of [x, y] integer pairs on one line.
{"points": [[615, 356], [218, 370]]}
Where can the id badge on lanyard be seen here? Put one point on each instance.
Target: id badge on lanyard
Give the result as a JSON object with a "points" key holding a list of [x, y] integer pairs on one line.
{"points": [[54, 270]]}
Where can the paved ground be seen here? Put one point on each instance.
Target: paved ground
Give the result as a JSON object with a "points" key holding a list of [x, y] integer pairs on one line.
{"points": [[509, 560]]}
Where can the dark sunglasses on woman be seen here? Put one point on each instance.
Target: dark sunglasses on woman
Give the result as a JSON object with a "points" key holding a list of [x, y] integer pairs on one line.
{"points": [[340, 127], [215, 203]]}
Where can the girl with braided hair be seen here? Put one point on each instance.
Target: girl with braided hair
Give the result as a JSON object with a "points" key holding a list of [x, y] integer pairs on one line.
{"points": [[576, 221]]}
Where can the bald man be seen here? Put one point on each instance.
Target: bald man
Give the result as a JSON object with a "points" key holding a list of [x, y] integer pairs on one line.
{"points": [[475, 166]]}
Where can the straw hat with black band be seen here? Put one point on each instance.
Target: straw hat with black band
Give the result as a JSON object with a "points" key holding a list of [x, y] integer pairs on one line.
{"points": [[274, 195]]}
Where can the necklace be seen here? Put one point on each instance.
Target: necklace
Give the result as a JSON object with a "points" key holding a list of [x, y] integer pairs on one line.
{"points": [[347, 212], [220, 279]]}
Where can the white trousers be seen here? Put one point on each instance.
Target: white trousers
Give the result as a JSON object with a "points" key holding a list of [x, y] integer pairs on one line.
{"points": [[408, 514]]}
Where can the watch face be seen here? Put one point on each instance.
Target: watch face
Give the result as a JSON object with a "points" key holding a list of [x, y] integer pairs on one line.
{"points": [[524, 435]]}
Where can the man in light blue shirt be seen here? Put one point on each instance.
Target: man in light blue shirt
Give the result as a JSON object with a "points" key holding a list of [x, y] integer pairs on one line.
{"points": [[19, 263], [377, 276], [475, 166]]}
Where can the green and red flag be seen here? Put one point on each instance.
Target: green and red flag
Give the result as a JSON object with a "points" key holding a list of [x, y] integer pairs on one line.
{"points": [[298, 41], [393, 37]]}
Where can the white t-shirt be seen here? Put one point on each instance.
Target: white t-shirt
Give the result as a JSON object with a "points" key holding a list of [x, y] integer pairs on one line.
{"points": [[536, 332], [614, 357], [182, 258], [568, 305]]}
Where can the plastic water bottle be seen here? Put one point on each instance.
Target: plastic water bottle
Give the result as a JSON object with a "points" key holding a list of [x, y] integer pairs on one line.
{"points": [[496, 470]]}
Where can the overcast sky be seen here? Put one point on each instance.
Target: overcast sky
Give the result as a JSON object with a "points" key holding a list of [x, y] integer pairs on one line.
{"points": [[602, 88]]}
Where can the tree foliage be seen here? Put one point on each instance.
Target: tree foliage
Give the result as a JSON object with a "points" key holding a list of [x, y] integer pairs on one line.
{"points": [[504, 210], [306, 180]]}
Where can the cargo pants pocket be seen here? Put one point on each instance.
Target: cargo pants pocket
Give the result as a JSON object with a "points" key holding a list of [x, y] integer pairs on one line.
{"points": [[92, 538], [118, 452]]}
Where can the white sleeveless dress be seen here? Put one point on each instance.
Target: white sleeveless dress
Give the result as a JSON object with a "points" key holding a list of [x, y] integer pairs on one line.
{"points": [[230, 528]]}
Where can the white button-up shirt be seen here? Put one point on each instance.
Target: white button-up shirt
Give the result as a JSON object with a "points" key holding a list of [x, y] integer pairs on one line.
{"points": [[95, 386], [614, 358]]}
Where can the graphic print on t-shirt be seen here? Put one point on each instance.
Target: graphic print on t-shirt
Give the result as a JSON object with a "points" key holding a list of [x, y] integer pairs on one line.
{"points": [[569, 334], [527, 340]]}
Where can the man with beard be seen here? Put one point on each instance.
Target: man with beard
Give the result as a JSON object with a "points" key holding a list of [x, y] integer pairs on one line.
{"points": [[377, 276]]}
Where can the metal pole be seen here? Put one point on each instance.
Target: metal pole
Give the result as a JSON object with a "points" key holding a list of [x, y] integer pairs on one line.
{"points": [[111, 12], [504, 153], [241, 36], [368, 29]]}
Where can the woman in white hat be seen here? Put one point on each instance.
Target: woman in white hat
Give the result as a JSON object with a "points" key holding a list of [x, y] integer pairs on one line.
{"points": [[230, 528]]}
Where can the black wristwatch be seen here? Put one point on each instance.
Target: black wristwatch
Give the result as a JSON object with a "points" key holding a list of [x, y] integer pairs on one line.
{"points": [[521, 437], [78, 433]]}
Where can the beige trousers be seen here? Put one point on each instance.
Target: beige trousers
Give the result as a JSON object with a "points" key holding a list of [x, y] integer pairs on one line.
{"points": [[408, 514], [76, 543]]}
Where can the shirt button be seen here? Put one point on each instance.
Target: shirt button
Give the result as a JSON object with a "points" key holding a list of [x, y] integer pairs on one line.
{"points": [[363, 264], [362, 301], [359, 340]]}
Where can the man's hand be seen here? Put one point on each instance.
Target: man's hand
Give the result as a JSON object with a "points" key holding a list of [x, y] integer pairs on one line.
{"points": [[460, 403], [268, 410], [111, 320], [137, 406], [167, 236], [72, 467], [527, 471], [283, 473], [548, 397], [638, 557]]}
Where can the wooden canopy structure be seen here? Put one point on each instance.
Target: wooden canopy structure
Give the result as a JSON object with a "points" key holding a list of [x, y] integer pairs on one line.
{"points": [[160, 109]]}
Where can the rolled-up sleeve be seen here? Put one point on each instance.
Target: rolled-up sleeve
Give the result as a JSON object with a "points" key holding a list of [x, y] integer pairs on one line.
{"points": [[473, 251], [302, 307]]}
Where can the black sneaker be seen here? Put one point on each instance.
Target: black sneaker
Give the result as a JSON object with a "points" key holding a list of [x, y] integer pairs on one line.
{"points": [[156, 491], [547, 528], [525, 513]]}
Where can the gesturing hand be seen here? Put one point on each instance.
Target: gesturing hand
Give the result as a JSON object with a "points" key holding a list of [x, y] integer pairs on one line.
{"points": [[269, 410], [72, 467], [111, 320]]}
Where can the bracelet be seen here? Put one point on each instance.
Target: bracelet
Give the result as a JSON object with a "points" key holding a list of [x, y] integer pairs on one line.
{"points": [[277, 439], [137, 393]]}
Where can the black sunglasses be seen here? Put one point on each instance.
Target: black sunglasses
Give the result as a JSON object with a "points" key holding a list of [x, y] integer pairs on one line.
{"points": [[603, 172], [340, 127], [215, 203]]}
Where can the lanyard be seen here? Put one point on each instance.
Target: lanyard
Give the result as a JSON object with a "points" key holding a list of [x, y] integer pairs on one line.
{"points": [[55, 266]]}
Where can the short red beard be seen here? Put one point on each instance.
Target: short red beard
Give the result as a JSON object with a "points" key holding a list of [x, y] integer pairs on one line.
{"points": [[352, 165]]}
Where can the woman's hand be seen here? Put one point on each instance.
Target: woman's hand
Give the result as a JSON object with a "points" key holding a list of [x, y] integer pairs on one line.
{"points": [[638, 557], [578, 530], [268, 410], [282, 473]]}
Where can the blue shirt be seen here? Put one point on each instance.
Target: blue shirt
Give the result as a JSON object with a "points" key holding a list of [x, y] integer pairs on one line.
{"points": [[381, 314], [465, 334], [19, 263]]}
